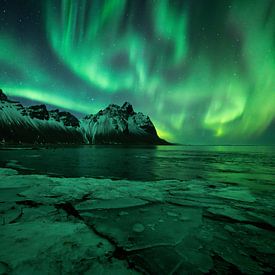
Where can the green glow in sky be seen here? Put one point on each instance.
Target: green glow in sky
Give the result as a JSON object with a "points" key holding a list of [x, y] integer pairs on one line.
{"points": [[204, 73]]}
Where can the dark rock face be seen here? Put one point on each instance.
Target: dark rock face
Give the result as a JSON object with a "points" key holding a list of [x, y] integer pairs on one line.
{"points": [[54, 114], [128, 108], [35, 124], [67, 118], [3, 96], [38, 111]]}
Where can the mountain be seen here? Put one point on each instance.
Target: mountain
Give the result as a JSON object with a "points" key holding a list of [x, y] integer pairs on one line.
{"points": [[117, 124], [34, 124], [37, 125]]}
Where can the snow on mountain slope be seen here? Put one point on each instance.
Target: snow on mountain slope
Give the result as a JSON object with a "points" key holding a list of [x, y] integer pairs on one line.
{"points": [[35, 124], [117, 124]]}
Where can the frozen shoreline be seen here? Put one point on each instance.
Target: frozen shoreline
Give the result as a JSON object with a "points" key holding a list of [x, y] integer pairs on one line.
{"points": [[76, 225]]}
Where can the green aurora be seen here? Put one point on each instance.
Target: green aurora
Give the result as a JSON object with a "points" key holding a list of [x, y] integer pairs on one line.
{"points": [[204, 71]]}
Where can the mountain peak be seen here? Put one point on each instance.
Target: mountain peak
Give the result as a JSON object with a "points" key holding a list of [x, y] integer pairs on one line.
{"points": [[127, 107], [38, 111], [119, 124]]}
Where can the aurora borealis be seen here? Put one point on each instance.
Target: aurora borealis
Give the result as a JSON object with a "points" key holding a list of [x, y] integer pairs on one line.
{"points": [[203, 70]]}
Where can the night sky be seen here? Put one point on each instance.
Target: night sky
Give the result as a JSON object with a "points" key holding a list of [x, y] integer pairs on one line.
{"points": [[203, 70]]}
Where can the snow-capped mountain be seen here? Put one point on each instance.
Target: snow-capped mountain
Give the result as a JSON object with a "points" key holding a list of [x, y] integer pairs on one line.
{"points": [[117, 124], [35, 124]]}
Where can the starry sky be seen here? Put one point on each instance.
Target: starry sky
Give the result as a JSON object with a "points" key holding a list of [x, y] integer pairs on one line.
{"points": [[203, 70]]}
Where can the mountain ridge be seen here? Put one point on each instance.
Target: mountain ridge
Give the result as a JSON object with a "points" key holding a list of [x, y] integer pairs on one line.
{"points": [[37, 125]]}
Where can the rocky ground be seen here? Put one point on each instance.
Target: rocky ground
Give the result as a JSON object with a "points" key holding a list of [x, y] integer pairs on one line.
{"points": [[99, 226]]}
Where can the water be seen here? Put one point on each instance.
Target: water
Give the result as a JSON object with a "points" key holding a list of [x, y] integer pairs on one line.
{"points": [[226, 164], [216, 216]]}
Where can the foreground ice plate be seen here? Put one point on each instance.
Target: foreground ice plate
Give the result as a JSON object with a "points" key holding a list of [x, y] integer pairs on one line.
{"points": [[99, 226]]}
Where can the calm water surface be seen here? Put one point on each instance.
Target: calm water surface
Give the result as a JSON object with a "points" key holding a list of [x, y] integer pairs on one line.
{"points": [[228, 164]]}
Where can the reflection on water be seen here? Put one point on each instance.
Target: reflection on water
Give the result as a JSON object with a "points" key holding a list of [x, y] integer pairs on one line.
{"points": [[228, 164]]}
